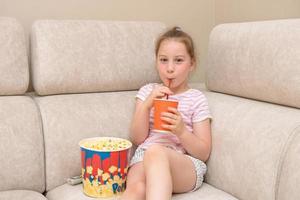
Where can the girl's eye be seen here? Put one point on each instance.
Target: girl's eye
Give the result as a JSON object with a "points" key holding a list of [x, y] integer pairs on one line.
{"points": [[178, 60], [163, 60]]}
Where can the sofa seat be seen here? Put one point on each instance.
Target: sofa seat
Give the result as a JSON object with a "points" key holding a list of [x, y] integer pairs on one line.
{"points": [[21, 195], [206, 192]]}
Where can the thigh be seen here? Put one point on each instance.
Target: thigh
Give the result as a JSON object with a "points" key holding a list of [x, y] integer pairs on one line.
{"points": [[136, 174], [182, 170]]}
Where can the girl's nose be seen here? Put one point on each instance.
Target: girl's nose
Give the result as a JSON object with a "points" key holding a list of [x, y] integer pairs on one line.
{"points": [[170, 68]]}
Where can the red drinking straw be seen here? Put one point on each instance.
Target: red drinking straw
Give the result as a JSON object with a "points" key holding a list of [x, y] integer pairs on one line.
{"points": [[170, 80]]}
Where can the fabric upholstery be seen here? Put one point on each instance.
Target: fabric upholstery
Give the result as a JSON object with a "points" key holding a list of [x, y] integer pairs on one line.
{"points": [[255, 150], [290, 176], [69, 118], [21, 195], [14, 69], [22, 153], [206, 192], [259, 60], [250, 142], [76, 56]]}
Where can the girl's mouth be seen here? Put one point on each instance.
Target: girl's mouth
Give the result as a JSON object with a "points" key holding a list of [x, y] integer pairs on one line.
{"points": [[169, 82]]}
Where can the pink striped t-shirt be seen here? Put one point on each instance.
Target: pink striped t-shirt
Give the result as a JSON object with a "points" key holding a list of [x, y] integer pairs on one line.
{"points": [[193, 108]]}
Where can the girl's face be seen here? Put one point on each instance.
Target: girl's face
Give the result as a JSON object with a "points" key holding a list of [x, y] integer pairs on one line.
{"points": [[174, 63]]}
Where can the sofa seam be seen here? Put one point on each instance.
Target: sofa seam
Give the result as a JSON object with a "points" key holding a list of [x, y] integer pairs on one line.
{"points": [[282, 158], [43, 136]]}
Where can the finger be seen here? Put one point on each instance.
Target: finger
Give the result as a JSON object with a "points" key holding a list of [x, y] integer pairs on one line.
{"points": [[168, 126], [166, 90], [169, 115], [168, 120], [161, 94], [173, 110]]}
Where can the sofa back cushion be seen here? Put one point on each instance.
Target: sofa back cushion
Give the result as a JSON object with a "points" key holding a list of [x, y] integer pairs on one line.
{"points": [[254, 152], [259, 60], [21, 149], [76, 56], [14, 71], [69, 118]]}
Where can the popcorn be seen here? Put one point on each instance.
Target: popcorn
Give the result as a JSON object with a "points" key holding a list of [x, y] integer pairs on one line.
{"points": [[107, 144]]}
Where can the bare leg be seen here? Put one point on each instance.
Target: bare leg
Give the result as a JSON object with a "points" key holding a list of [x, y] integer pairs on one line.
{"points": [[167, 171], [135, 184], [157, 170]]}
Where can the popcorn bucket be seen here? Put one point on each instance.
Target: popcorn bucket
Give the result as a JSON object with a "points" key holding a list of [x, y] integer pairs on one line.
{"points": [[104, 164]]}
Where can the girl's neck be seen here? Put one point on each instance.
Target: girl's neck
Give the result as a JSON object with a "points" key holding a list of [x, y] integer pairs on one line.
{"points": [[180, 89]]}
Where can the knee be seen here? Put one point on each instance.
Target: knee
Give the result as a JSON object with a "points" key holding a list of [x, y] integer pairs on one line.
{"points": [[137, 190], [154, 153]]}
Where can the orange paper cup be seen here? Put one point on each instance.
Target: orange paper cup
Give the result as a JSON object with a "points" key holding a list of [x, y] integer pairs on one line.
{"points": [[161, 105]]}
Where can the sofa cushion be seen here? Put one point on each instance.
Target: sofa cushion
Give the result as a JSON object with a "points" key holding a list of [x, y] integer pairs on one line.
{"points": [[22, 152], [206, 192], [69, 118], [76, 56], [250, 143], [14, 71], [21, 195], [288, 187], [259, 60]]}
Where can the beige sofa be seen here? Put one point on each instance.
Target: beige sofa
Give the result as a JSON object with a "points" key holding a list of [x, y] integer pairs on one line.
{"points": [[86, 74]]}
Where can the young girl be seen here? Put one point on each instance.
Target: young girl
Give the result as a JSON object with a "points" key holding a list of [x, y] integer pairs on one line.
{"points": [[166, 163]]}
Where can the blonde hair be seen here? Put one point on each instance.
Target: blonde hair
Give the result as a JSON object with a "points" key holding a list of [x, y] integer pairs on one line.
{"points": [[177, 34]]}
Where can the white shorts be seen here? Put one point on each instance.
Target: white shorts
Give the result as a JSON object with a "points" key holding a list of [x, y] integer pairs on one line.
{"points": [[200, 166]]}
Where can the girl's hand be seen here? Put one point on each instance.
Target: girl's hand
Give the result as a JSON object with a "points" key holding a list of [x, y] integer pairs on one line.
{"points": [[159, 91], [174, 120]]}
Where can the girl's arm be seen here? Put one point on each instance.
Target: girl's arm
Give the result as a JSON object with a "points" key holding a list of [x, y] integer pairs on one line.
{"points": [[140, 123], [197, 144]]}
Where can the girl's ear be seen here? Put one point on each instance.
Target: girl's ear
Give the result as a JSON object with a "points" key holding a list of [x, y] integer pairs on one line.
{"points": [[193, 64]]}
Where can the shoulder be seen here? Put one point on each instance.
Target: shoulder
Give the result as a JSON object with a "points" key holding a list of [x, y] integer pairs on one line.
{"points": [[149, 86], [200, 106], [145, 90], [196, 95], [197, 99]]}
